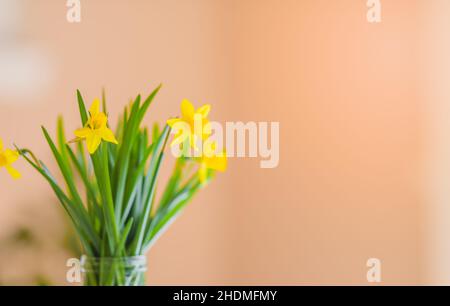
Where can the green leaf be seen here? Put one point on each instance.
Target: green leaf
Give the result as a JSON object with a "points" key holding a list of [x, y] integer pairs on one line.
{"points": [[100, 163], [64, 167], [84, 175], [149, 190], [123, 159], [82, 108], [78, 219], [133, 186], [168, 214], [173, 183], [105, 109]]}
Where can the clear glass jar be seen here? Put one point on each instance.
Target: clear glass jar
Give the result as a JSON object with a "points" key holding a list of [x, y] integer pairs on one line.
{"points": [[112, 271]]}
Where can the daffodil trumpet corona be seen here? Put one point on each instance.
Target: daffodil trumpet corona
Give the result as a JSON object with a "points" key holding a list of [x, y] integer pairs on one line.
{"points": [[111, 178]]}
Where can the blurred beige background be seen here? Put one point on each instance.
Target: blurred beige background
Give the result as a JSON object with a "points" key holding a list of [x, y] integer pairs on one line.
{"points": [[364, 169]]}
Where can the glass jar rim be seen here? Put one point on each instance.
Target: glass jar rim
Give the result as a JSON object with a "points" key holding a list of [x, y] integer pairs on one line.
{"points": [[123, 258], [91, 263]]}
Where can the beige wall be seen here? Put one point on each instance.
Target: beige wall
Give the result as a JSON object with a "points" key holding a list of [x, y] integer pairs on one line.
{"points": [[347, 188], [436, 77], [349, 99]]}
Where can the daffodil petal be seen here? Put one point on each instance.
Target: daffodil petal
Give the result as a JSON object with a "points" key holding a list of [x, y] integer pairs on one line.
{"points": [[204, 110], [1, 145], [95, 108], [187, 110], [13, 172], [108, 135], [218, 162], [11, 156], [83, 133], [172, 122], [101, 120], [93, 141], [203, 173]]}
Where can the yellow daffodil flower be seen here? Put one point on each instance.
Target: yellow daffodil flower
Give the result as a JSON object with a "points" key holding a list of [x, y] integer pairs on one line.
{"points": [[7, 158], [213, 161], [199, 129], [197, 122], [96, 129]]}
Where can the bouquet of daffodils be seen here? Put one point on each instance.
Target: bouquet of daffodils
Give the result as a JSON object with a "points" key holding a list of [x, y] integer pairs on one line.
{"points": [[109, 191]]}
